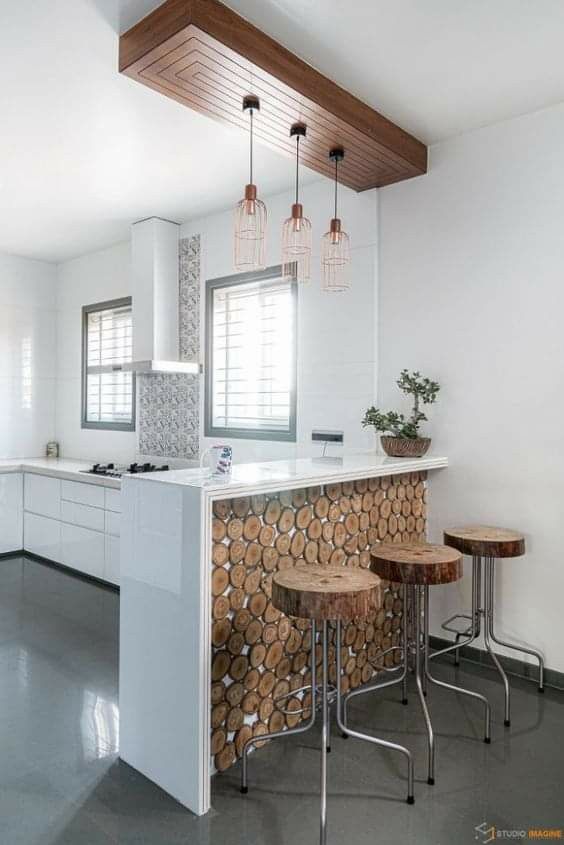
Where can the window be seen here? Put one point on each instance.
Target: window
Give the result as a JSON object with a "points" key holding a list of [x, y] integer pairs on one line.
{"points": [[108, 398], [251, 356]]}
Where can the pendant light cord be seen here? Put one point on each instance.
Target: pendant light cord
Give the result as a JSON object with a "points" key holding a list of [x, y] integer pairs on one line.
{"points": [[251, 148], [297, 164], [336, 183]]}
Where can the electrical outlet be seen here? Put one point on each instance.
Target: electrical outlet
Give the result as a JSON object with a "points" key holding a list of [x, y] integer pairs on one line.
{"points": [[326, 436]]}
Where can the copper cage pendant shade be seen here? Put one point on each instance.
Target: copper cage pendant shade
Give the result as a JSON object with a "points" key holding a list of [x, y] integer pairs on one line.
{"points": [[296, 231], [335, 245], [250, 214]]}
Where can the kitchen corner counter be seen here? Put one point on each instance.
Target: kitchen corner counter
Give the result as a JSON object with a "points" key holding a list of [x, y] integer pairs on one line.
{"points": [[65, 468], [198, 554]]}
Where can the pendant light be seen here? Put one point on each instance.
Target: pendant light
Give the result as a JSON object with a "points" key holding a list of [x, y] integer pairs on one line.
{"points": [[335, 244], [250, 214], [296, 232]]}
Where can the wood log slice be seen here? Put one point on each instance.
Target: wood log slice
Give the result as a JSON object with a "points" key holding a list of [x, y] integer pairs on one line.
{"points": [[225, 758], [272, 512], [257, 655], [237, 575], [234, 694], [239, 667], [218, 740], [253, 555], [221, 631], [240, 506], [267, 535], [220, 607], [253, 632], [218, 530], [237, 598], [219, 714], [222, 509], [321, 508], [242, 736], [286, 521], [220, 580], [258, 504], [220, 554], [266, 683], [251, 680], [237, 550]]}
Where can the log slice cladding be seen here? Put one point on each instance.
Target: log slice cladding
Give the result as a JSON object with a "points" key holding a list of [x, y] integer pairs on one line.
{"points": [[258, 654]]}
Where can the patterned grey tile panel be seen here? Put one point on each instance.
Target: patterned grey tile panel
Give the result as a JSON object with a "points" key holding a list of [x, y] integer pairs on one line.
{"points": [[169, 404]]}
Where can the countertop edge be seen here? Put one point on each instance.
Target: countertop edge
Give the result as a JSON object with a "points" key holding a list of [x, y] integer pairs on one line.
{"points": [[215, 491], [58, 472]]}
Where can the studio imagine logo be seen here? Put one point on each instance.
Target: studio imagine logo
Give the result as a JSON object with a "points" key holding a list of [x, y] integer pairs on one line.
{"points": [[485, 833]]}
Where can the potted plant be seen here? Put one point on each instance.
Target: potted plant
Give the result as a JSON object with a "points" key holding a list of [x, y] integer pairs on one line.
{"points": [[400, 435]]}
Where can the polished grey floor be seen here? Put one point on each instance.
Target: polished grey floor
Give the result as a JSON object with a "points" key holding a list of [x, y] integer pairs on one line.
{"points": [[61, 780]]}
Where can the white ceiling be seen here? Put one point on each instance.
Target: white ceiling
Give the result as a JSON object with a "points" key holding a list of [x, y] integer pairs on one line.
{"points": [[85, 151]]}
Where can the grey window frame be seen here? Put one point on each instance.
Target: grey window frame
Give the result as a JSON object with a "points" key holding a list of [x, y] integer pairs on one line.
{"points": [[274, 272], [103, 426]]}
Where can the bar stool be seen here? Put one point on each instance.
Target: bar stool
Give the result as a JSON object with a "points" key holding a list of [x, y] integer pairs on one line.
{"points": [[486, 543], [417, 566], [321, 594]]}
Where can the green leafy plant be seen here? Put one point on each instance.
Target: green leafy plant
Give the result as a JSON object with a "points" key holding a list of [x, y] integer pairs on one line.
{"points": [[423, 390]]}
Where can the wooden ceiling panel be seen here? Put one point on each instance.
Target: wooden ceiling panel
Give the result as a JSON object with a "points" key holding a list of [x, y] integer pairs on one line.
{"points": [[207, 57]]}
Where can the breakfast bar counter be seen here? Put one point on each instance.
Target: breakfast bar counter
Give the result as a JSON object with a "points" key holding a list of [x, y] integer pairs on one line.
{"points": [[203, 652]]}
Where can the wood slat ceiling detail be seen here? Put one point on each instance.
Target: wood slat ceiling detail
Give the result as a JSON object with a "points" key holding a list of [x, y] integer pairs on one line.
{"points": [[207, 57]]}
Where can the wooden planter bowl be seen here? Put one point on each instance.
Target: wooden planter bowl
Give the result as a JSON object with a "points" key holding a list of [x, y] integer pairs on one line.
{"points": [[405, 447]]}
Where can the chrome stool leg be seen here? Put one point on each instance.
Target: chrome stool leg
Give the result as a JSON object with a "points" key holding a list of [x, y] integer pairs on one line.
{"points": [[488, 589], [382, 743], [473, 631], [406, 641], [418, 676], [452, 687], [302, 728], [490, 624], [324, 739]]}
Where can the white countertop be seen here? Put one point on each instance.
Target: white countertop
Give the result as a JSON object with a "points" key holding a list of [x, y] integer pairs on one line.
{"points": [[287, 474], [71, 470]]}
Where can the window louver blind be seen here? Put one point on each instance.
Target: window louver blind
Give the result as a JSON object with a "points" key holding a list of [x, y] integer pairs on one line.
{"points": [[253, 354], [108, 396]]}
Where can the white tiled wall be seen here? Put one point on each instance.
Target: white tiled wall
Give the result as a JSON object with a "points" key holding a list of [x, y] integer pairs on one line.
{"points": [[27, 356], [97, 277]]}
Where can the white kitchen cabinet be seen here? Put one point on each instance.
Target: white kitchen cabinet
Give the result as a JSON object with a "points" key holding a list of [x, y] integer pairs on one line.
{"points": [[82, 515], [112, 560], [83, 549], [42, 536], [113, 522], [82, 493], [113, 500], [42, 495], [11, 512]]}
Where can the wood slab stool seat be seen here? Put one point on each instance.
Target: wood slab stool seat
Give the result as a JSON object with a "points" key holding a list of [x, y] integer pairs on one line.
{"points": [[326, 592], [416, 563], [417, 566], [485, 543]]}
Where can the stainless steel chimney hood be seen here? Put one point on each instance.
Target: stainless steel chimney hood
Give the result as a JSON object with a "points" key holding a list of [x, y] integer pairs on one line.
{"points": [[154, 267]]}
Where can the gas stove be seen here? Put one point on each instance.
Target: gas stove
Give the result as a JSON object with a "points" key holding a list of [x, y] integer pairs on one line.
{"points": [[112, 470]]}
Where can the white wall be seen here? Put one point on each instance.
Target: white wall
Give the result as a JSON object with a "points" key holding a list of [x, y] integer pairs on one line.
{"points": [[27, 356], [96, 277], [472, 293], [336, 333]]}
